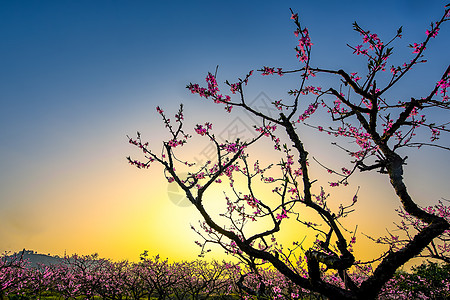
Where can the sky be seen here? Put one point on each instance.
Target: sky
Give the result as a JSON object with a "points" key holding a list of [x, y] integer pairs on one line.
{"points": [[77, 77]]}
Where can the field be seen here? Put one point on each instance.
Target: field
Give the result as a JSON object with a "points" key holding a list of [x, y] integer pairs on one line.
{"points": [[91, 277]]}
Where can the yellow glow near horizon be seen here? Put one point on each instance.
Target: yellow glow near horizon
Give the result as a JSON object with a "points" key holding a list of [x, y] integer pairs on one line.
{"points": [[120, 219]]}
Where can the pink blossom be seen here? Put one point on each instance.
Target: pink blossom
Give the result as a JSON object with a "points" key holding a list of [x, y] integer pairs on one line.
{"points": [[418, 47], [282, 216], [432, 33]]}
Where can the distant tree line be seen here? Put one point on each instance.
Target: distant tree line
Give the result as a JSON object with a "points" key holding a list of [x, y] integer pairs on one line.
{"points": [[92, 277]]}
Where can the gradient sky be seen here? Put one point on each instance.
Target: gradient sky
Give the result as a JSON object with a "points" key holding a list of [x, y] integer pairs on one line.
{"points": [[77, 76]]}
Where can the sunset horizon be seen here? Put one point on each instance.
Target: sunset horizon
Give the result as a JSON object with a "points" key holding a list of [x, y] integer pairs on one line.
{"points": [[81, 78]]}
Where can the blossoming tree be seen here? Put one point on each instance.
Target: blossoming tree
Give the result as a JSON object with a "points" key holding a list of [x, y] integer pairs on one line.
{"points": [[361, 112]]}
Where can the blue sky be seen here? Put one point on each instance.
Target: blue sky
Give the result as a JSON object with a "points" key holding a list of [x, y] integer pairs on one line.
{"points": [[78, 76]]}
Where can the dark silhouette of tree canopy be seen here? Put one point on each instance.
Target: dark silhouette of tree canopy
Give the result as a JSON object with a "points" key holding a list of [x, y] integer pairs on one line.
{"points": [[360, 111]]}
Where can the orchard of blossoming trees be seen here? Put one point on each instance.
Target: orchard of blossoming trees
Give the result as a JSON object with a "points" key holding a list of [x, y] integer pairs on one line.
{"points": [[360, 111], [91, 277]]}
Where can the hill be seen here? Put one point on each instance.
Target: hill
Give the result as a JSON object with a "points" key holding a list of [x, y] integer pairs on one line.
{"points": [[35, 259]]}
